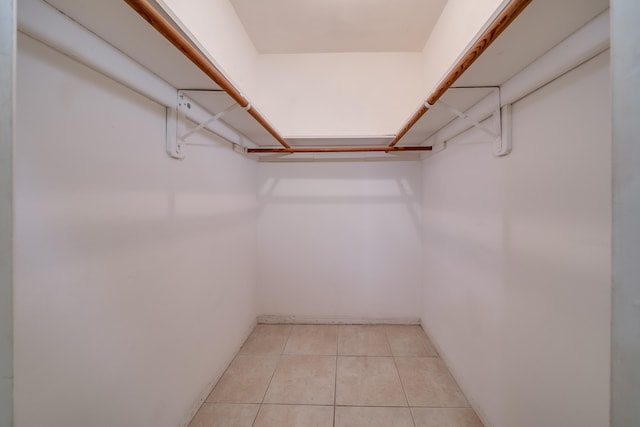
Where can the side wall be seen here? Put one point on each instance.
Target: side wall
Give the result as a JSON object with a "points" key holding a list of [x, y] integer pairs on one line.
{"points": [[339, 240], [7, 113], [459, 23], [517, 285], [332, 94], [625, 350], [220, 34], [134, 273]]}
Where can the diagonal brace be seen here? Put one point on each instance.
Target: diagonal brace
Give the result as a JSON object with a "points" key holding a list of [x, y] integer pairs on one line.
{"points": [[213, 118], [486, 129]]}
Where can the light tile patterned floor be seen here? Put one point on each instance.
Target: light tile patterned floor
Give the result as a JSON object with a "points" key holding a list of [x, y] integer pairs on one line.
{"points": [[336, 376]]}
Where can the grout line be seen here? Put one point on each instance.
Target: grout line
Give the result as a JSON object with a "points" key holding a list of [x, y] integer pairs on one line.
{"points": [[256, 417], [386, 334], [381, 356], [401, 407], [265, 392], [297, 404], [284, 347], [211, 385], [404, 391], [393, 356], [272, 375], [441, 407], [337, 406], [335, 378], [417, 357], [282, 353]]}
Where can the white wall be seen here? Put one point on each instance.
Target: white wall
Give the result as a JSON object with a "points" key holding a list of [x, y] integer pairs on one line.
{"points": [[340, 94], [332, 94], [339, 240], [135, 273], [7, 104], [219, 33], [625, 351], [517, 285], [458, 25], [363, 94]]}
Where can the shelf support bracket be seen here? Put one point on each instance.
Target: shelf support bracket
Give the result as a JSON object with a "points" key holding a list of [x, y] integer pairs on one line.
{"points": [[502, 145], [173, 143], [500, 131], [484, 128], [176, 137]]}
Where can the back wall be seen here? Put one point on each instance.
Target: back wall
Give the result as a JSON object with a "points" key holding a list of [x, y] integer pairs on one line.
{"points": [[339, 240]]}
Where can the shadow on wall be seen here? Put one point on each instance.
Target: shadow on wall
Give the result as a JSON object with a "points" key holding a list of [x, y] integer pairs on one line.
{"points": [[95, 176], [126, 260], [340, 239], [361, 185]]}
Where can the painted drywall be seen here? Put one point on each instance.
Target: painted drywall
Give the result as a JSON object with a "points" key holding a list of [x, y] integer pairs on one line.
{"points": [[350, 94], [459, 23], [339, 240], [340, 94], [7, 98], [357, 93], [517, 285], [332, 94], [134, 272], [216, 29], [625, 351]]}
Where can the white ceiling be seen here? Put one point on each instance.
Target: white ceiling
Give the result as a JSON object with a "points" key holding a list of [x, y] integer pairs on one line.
{"points": [[315, 26]]}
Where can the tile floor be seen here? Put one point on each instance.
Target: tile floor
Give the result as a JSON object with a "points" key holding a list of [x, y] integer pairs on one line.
{"points": [[336, 376]]}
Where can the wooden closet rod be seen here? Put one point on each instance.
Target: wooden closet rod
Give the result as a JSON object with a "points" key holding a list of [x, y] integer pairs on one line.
{"points": [[502, 21], [337, 149], [164, 27]]}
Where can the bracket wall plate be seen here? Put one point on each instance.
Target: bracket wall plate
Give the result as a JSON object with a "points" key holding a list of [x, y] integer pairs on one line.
{"points": [[502, 144], [173, 143], [499, 130], [177, 132]]}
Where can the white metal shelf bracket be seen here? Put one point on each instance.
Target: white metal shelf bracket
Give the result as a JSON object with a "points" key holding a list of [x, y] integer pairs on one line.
{"points": [[499, 131], [173, 143], [177, 135], [484, 128], [502, 145]]}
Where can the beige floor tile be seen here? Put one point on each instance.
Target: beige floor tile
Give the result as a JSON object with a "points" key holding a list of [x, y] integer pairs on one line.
{"points": [[224, 415], [245, 381], [409, 340], [368, 381], [312, 339], [427, 382], [303, 380], [354, 416], [445, 417], [363, 340], [294, 416], [266, 339]]}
